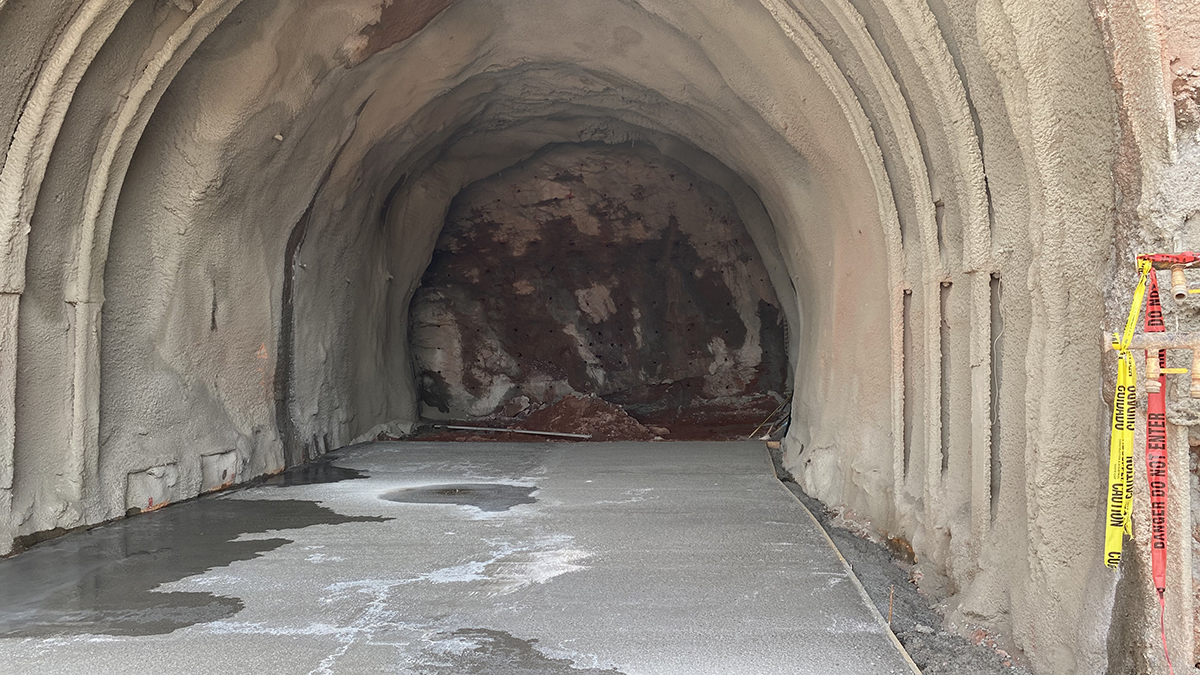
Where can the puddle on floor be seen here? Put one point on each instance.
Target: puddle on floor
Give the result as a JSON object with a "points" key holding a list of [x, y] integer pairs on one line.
{"points": [[491, 497], [480, 650], [100, 581], [318, 471]]}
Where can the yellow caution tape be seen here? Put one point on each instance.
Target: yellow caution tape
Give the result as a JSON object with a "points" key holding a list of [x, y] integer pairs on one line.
{"points": [[1119, 521], [1173, 371]]}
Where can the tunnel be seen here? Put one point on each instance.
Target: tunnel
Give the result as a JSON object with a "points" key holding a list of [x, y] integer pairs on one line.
{"points": [[600, 271], [238, 235]]}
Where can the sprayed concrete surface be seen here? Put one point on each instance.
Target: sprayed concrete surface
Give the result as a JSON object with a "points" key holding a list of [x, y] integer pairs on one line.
{"points": [[609, 558], [214, 216]]}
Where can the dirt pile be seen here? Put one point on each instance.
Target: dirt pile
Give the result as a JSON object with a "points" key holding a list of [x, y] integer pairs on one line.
{"points": [[575, 414], [730, 418], [588, 415]]}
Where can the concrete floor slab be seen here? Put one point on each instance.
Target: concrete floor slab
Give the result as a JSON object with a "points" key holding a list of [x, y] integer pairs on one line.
{"points": [[635, 558]]}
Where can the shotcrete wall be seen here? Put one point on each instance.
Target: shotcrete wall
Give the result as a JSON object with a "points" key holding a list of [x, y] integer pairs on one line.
{"points": [[214, 214]]}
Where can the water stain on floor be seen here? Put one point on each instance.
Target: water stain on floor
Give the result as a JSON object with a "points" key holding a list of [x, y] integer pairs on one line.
{"points": [[493, 497], [101, 581], [495, 651], [317, 471]]}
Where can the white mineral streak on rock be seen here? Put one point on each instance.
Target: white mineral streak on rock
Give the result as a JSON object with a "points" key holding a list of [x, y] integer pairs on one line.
{"points": [[596, 302], [592, 362]]}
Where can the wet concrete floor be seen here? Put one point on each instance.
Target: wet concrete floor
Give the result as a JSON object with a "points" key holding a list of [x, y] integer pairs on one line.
{"points": [[440, 559]]}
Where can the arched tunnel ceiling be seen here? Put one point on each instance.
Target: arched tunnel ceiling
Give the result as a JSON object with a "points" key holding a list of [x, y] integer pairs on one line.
{"points": [[443, 118], [213, 215]]}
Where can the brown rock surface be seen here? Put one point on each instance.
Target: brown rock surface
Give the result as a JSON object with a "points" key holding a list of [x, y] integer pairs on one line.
{"points": [[588, 415], [595, 270]]}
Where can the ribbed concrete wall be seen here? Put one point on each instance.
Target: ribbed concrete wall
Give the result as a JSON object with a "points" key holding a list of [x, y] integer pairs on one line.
{"points": [[213, 215]]}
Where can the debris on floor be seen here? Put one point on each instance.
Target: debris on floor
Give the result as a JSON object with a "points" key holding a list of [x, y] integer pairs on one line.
{"points": [[573, 414], [726, 419], [589, 415]]}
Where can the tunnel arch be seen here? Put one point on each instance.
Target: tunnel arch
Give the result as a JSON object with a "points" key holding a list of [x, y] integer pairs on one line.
{"points": [[445, 197], [863, 128]]}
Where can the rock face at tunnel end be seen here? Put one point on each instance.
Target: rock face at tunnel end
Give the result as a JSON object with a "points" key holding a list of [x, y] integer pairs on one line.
{"points": [[596, 270]]}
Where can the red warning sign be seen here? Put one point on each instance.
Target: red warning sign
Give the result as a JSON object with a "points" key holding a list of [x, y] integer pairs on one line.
{"points": [[1156, 446]]}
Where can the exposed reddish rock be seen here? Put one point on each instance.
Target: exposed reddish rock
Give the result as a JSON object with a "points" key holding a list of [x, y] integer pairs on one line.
{"points": [[398, 21], [576, 414], [588, 415], [598, 270], [607, 421]]}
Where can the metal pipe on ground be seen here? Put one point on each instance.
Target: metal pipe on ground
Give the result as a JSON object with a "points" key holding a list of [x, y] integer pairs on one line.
{"points": [[516, 431]]}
